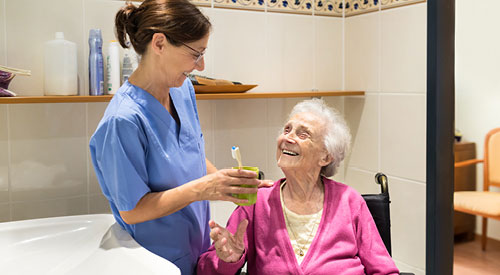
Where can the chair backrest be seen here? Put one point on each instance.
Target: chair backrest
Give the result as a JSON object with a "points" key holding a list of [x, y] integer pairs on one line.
{"points": [[380, 210], [492, 159]]}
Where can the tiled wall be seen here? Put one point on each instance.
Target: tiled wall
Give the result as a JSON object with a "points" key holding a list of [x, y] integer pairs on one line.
{"points": [[387, 60], [45, 167]]}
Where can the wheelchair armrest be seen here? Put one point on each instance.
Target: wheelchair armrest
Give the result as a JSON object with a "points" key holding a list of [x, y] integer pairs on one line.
{"points": [[467, 162]]}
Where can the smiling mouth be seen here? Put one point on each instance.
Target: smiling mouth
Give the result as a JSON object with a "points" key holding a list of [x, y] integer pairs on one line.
{"points": [[290, 153]]}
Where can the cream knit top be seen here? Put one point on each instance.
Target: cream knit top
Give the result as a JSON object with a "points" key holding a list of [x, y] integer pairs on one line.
{"points": [[301, 228]]}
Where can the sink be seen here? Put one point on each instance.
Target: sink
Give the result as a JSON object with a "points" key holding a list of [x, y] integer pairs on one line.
{"points": [[84, 244]]}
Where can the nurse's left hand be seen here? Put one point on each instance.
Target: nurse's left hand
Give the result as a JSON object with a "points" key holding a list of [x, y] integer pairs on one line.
{"points": [[223, 183]]}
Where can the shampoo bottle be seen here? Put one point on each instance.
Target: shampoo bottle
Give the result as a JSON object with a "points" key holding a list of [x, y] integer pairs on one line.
{"points": [[113, 67], [60, 67], [96, 70]]}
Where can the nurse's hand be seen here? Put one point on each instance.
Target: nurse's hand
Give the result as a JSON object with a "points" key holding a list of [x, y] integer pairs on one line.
{"points": [[229, 247], [225, 182]]}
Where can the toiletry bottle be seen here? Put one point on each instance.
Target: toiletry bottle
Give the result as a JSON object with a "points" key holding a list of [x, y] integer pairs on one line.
{"points": [[60, 67], [126, 66], [113, 67], [96, 70]]}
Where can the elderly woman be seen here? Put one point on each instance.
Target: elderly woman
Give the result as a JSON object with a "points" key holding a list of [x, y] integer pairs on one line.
{"points": [[306, 223]]}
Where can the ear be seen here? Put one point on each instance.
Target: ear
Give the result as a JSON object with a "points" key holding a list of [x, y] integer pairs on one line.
{"points": [[326, 159], [158, 43]]}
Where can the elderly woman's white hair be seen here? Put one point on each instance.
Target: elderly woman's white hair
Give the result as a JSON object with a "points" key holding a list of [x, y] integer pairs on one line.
{"points": [[337, 137]]}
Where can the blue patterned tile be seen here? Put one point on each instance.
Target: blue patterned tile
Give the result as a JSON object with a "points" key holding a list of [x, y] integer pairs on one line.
{"points": [[354, 7], [293, 6], [329, 7]]}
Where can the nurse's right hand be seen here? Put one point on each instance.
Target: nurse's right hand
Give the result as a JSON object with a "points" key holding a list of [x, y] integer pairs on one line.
{"points": [[221, 184]]}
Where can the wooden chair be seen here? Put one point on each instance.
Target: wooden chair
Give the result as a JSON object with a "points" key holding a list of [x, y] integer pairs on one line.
{"points": [[483, 203]]}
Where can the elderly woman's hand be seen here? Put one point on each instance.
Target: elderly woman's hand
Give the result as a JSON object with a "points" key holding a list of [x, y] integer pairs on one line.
{"points": [[229, 247], [225, 182]]}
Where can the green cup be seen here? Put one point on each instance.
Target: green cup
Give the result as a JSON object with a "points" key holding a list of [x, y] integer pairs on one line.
{"points": [[252, 198]]}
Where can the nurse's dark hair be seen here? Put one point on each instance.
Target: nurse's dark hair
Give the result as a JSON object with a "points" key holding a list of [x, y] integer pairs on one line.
{"points": [[179, 20]]}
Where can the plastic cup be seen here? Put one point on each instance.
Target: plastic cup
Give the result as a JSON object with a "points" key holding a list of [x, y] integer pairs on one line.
{"points": [[252, 198]]}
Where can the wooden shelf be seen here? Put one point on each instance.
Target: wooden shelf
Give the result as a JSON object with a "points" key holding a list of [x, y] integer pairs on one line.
{"points": [[106, 98]]}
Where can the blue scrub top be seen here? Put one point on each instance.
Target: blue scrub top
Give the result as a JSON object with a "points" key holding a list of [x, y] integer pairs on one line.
{"points": [[139, 148]]}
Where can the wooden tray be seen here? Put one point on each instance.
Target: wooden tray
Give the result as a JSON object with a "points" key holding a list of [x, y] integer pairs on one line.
{"points": [[211, 89]]}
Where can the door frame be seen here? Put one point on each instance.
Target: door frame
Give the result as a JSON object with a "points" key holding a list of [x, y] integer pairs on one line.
{"points": [[440, 135]]}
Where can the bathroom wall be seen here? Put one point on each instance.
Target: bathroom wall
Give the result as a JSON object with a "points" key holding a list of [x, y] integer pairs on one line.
{"points": [[385, 55], [477, 90], [45, 168]]}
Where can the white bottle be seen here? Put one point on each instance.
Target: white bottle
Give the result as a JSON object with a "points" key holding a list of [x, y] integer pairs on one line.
{"points": [[113, 67], [60, 67], [127, 68]]}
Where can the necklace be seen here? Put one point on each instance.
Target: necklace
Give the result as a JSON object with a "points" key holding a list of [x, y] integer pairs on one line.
{"points": [[301, 249]]}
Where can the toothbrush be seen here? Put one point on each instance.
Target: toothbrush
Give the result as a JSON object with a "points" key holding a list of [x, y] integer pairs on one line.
{"points": [[235, 151]]}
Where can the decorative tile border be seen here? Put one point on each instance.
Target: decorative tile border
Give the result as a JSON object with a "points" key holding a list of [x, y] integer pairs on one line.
{"points": [[332, 8], [203, 3], [388, 4], [355, 7], [329, 7], [240, 4], [290, 6]]}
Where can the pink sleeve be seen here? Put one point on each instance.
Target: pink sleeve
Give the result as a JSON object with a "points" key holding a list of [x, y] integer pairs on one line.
{"points": [[209, 262], [371, 248]]}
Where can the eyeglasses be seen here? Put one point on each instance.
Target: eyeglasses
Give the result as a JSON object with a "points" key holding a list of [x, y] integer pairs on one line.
{"points": [[199, 55]]}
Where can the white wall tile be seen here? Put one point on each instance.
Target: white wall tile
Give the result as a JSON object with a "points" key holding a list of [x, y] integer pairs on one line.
{"points": [[362, 52], [27, 31], [362, 180], [99, 14], [4, 212], [240, 123], [4, 156], [278, 110], [327, 53], [98, 204], [363, 120], [209, 54], [402, 137], [95, 111], [289, 65], [221, 211], [206, 115], [408, 219], [404, 49], [50, 208], [48, 155], [239, 46], [3, 42]]}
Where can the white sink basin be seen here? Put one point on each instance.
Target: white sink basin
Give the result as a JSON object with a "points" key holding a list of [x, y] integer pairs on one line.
{"points": [[86, 244]]}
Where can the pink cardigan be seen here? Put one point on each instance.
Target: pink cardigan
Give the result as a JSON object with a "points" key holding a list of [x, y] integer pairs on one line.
{"points": [[347, 240]]}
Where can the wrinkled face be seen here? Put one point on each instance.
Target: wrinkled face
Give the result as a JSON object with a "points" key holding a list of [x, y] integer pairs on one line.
{"points": [[178, 61], [300, 145]]}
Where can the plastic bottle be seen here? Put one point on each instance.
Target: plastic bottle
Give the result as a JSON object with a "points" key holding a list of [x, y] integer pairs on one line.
{"points": [[96, 70], [60, 67], [127, 69], [113, 67]]}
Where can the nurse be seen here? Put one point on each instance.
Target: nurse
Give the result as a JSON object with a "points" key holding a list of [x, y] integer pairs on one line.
{"points": [[148, 149]]}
